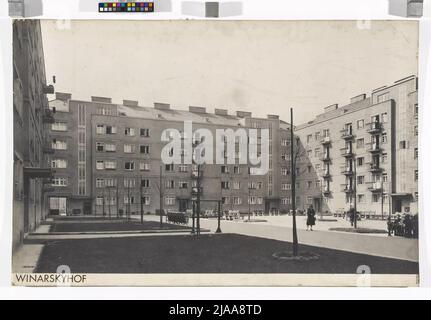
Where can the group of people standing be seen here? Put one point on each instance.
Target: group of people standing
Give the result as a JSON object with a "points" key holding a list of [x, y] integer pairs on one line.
{"points": [[403, 225]]}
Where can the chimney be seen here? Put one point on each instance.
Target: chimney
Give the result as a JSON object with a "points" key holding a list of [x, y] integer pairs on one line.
{"points": [[197, 109], [63, 96], [332, 107], [221, 112], [101, 99], [130, 103], [161, 106], [243, 114], [358, 98]]}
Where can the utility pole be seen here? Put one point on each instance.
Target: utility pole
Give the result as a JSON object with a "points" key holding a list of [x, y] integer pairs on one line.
{"points": [[142, 204], [161, 197], [293, 170], [198, 202], [116, 198]]}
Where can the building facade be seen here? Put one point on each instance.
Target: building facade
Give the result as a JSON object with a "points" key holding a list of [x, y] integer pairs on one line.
{"points": [[32, 116], [108, 160], [368, 148]]}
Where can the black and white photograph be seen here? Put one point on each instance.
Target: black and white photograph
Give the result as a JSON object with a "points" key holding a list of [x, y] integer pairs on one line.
{"points": [[276, 153]]}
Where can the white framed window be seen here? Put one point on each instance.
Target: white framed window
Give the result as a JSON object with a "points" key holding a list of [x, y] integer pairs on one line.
{"points": [[145, 183], [110, 147], [129, 165], [284, 171], [169, 200], [182, 168], [145, 132], [145, 149], [129, 200], [144, 166], [360, 123], [286, 200], [59, 145], [236, 185], [169, 184], [286, 186], [237, 200], [183, 185], [129, 131], [129, 148], [110, 164], [59, 163], [59, 126], [129, 182], [146, 200], [59, 182], [99, 201]]}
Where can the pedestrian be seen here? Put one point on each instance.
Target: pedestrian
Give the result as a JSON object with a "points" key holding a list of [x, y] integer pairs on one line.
{"points": [[390, 226], [311, 220]]}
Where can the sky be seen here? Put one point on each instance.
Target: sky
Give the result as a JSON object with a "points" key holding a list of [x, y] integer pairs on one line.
{"points": [[264, 67]]}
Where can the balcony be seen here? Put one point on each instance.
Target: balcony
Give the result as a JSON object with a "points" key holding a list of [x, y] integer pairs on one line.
{"points": [[196, 190], [326, 191], [326, 174], [347, 188], [325, 140], [48, 89], [48, 116], [47, 149], [347, 170], [373, 147], [346, 152], [375, 167], [347, 134], [325, 158], [374, 127], [196, 175], [375, 186]]}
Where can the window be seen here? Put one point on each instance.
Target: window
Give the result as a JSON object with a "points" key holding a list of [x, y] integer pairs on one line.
{"points": [[384, 158], [360, 143], [361, 198], [326, 133], [385, 177], [59, 145], [416, 175], [416, 153], [145, 133], [59, 126], [360, 161], [416, 130], [225, 200], [129, 132], [110, 182], [169, 184], [285, 142], [183, 185], [129, 165], [105, 129], [182, 168], [129, 148], [318, 184], [129, 183], [284, 171], [100, 165], [317, 136], [110, 164], [100, 183], [286, 200], [111, 130], [99, 201], [145, 183], [416, 110], [169, 167], [224, 169], [255, 200], [129, 200], [255, 185], [317, 152], [376, 198], [360, 124], [361, 179], [317, 166], [309, 168], [145, 149], [404, 144], [109, 147], [384, 117], [309, 184], [59, 163], [225, 185], [237, 200], [236, 185], [170, 200], [59, 182], [144, 166], [309, 153], [309, 137], [100, 147], [236, 170]]}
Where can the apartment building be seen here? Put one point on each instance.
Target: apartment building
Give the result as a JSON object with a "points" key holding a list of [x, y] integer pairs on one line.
{"points": [[368, 148], [108, 160], [32, 116]]}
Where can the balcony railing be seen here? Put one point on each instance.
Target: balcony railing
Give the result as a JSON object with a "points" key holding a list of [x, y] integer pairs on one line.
{"points": [[346, 170], [375, 186], [326, 173], [374, 127], [347, 187], [346, 152], [375, 167], [373, 147], [325, 158], [347, 134], [325, 140], [326, 191]]}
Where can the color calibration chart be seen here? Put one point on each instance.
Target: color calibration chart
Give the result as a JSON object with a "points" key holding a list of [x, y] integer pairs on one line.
{"points": [[126, 7]]}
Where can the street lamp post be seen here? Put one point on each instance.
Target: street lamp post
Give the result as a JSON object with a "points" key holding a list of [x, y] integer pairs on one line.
{"points": [[218, 216], [355, 218]]}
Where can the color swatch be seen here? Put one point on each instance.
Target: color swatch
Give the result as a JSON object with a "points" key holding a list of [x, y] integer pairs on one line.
{"points": [[131, 7]]}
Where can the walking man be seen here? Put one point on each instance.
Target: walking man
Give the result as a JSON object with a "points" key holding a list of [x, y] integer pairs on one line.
{"points": [[311, 219]]}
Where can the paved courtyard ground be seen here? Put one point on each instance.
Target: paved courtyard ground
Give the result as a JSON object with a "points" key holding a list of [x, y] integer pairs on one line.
{"points": [[210, 253]]}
